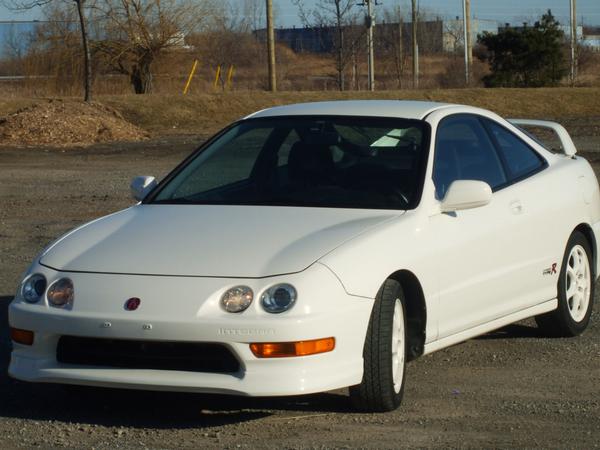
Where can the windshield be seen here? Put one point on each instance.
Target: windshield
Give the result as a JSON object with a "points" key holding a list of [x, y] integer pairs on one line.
{"points": [[337, 162]]}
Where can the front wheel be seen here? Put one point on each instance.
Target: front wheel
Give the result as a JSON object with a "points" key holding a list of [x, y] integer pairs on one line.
{"points": [[384, 353], [575, 291]]}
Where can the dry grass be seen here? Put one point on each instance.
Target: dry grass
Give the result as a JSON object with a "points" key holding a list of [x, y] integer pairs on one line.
{"points": [[296, 72], [204, 114]]}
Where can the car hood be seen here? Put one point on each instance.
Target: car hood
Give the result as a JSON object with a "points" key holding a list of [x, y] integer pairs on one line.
{"points": [[209, 240]]}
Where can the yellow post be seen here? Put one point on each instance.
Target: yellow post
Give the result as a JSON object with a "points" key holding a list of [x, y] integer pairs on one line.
{"points": [[189, 80], [229, 76], [217, 76]]}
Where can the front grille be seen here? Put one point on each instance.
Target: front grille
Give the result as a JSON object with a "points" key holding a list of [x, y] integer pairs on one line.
{"points": [[157, 355]]}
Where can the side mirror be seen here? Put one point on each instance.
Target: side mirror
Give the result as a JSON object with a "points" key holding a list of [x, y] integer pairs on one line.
{"points": [[466, 194], [140, 186]]}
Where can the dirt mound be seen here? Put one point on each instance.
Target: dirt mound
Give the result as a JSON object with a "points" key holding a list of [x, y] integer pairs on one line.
{"points": [[66, 123]]}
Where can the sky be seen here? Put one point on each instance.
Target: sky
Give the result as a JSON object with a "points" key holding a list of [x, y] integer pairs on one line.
{"points": [[514, 11]]}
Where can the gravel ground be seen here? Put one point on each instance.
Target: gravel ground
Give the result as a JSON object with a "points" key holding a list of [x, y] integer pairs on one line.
{"points": [[510, 388]]}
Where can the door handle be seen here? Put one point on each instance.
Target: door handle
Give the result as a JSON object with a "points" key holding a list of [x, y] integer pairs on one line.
{"points": [[516, 207]]}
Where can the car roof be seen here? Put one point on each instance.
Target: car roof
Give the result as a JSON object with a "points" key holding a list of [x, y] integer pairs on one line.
{"points": [[406, 109]]}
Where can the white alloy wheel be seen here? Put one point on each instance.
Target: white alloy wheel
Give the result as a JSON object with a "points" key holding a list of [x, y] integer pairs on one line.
{"points": [[578, 283], [398, 346], [575, 291]]}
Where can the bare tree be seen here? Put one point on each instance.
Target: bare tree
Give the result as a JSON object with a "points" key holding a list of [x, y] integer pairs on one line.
{"points": [[231, 16], [339, 16], [80, 6], [54, 49], [454, 36], [254, 12], [13, 44], [138, 31], [227, 40], [392, 42]]}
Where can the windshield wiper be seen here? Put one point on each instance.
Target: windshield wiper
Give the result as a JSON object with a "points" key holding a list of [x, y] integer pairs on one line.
{"points": [[173, 201]]}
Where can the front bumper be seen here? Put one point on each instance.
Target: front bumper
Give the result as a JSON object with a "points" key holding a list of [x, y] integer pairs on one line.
{"points": [[329, 312]]}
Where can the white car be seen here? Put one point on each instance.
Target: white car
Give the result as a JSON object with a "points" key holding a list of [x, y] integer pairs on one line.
{"points": [[317, 246]]}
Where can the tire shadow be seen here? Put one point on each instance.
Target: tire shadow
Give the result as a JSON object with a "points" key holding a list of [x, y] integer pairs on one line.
{"points": [[142, 409]]}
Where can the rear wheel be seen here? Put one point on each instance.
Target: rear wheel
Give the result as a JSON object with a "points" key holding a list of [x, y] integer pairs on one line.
{"points": [[575, 291], [384, 353]]}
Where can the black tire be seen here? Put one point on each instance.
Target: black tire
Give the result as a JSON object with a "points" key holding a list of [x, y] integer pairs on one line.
{"points": [[376, 392], [560, 322]]}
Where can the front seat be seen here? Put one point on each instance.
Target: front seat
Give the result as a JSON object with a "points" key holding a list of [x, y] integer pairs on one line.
{"points": [[310, 164]]}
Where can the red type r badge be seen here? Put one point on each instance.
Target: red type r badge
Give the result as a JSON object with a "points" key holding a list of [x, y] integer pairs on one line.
{"points": [[132, 304]]}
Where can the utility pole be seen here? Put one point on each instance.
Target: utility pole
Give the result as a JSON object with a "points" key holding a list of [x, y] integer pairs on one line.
{"points": [[415, 45], [370, 22], [400, 66], [467, 38], [86, 52], [573, 41], [271, 47]]}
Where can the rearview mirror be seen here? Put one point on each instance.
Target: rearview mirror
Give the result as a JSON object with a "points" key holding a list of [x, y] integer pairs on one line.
{"points": [[466, 194], [141, 186]]}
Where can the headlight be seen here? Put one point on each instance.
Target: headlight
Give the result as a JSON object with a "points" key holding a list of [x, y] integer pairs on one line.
{"points": [[33, 288], [237, 299], [279, 298], [61, 293]]}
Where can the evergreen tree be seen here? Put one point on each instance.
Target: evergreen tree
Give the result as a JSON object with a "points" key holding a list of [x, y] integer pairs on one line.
{"points": [[527, 56]]}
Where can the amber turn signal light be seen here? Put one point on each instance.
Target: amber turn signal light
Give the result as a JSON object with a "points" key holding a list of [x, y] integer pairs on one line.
{"points": [[24, 337], [286, 349]]}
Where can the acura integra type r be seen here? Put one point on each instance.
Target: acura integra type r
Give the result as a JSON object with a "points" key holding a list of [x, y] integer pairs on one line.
{"points": [[317, 246]]}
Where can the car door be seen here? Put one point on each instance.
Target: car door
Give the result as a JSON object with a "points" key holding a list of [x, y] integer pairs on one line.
{"points": [[536, 207], [477, 260]]}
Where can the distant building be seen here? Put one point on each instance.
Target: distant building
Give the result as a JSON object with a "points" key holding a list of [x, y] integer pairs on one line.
{"points": [[591, 38], [591, 41], [308, 39], [567, 30], [430, 34], [434, 36]]}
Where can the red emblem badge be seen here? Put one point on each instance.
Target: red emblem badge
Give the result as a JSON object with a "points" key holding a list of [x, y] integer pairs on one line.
{"points": [[132, 304]]}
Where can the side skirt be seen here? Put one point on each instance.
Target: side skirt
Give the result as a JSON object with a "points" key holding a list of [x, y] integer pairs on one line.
{"points": [[491, 326]]}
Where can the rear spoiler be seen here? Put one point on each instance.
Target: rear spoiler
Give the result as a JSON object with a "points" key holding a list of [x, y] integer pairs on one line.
{"points": [[568, 147]]}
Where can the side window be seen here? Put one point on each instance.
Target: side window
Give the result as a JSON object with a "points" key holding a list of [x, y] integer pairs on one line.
{"points": [[464, 151], [520, 159]]}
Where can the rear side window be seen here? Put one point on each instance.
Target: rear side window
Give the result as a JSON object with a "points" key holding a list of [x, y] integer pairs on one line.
{"points": [[521, 160], [464, 151]]}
